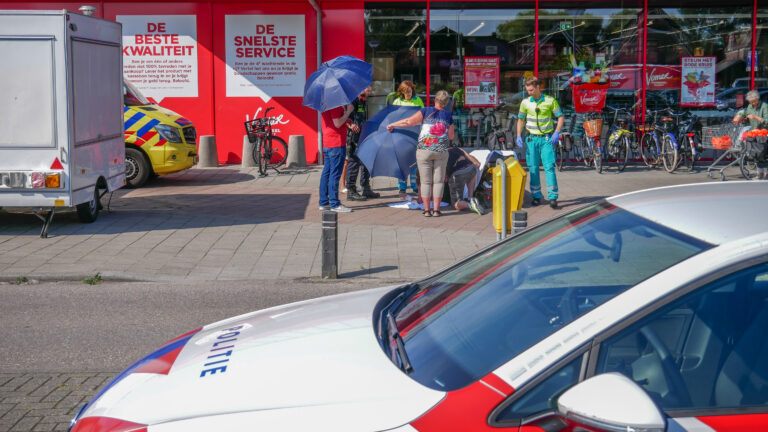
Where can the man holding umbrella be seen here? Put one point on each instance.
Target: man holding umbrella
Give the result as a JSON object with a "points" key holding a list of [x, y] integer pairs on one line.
{"points": [[330, 90], [334, 125]]}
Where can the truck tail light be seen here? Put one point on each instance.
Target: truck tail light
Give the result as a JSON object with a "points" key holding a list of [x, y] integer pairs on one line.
{"points": [[52, 181], [37, 179]]}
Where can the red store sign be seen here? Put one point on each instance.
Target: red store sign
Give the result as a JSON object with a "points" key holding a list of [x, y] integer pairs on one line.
{"points": [[658, 77]]}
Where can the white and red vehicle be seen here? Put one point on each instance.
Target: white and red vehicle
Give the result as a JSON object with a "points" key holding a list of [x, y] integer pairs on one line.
{"points": [[61, 112], [643, 312]]}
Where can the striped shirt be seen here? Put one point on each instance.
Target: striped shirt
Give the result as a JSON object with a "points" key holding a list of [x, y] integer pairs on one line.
{"points": [[539, 114]]}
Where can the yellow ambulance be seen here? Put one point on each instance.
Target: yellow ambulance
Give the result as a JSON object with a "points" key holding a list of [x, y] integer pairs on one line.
{"points": [[157, 140]]}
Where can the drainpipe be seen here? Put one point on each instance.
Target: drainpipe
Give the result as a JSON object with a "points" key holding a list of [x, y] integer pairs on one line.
{"points": [[319, 13]]}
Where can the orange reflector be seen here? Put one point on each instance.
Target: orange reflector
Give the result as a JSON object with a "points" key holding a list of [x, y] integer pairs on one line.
{"points": [[52, 180], [56, 164], [58, 203]]}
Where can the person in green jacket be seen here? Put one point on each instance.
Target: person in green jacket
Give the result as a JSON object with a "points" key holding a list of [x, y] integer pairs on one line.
{"points": [[406, 96], [537, 114]]}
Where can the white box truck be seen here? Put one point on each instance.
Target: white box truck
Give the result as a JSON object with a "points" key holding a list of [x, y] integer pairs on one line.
{"points": [[61, 112]]}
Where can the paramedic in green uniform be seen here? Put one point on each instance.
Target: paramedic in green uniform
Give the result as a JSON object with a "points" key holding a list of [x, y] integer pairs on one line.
{"points": [[537, 114]]}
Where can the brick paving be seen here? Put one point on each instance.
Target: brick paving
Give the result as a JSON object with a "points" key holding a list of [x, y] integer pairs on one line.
{"points": [[33, 402]]}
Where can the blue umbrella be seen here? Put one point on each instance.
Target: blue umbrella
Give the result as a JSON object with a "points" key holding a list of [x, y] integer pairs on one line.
{"points": [[337, 82], [384, 153]]}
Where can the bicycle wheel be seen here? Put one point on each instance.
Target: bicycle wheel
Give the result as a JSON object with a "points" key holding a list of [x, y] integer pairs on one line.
{"points": [[278, 151], [262, 153], [586, 151], [598, 156], [748, 167], [668, 154], [576, 153], [621, 150], [686, 153], [648, 150], [559, 156]]}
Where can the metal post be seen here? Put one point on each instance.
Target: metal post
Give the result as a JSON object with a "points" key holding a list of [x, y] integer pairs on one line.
{"points": [[330, 267], [504, 204]]}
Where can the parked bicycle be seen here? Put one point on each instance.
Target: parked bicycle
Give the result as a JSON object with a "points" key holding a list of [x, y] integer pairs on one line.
{"points": [[566, 148], [269, 151], [620, 138], [670, 140], [593, 129], [496, 137]]}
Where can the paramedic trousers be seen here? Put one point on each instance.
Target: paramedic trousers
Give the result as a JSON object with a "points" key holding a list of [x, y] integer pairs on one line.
{"points": [[540, 152]]}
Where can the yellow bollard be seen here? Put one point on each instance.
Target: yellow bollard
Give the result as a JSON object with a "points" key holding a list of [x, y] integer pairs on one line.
{"points": [[515, 191]]}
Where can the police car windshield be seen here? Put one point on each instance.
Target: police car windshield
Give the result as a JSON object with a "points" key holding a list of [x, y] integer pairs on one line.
{"points": [[473, 318], [132, 95]]}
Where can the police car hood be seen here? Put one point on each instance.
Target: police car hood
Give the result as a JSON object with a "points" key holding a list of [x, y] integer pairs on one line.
{"points": [[313, 365]]}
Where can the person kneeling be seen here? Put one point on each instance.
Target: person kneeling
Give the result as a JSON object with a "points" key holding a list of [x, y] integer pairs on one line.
{"points": [[461, 171]]}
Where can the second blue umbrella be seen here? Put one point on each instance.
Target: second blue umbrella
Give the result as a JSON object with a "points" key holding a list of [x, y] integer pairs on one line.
{"points": [[385, 153]]}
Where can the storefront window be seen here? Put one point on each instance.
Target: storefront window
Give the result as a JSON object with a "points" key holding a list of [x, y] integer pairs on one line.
{"points": [[396, 45], [591, 45], [722, 33], [506, 33], [761, 73]]}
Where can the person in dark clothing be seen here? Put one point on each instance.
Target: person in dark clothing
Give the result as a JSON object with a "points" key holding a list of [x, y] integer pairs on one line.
{"points": [[354, 166], [461, 171]]}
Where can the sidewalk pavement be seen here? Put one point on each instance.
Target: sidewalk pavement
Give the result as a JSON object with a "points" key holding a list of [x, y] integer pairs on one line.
{"points": [[224, 223]]}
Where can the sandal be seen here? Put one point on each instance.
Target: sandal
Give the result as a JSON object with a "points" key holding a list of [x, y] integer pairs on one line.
{"points": [[427, 213], [436, 213]]}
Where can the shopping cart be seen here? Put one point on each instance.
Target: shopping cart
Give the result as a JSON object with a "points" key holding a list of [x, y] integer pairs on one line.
{"points": [[727, 138]]}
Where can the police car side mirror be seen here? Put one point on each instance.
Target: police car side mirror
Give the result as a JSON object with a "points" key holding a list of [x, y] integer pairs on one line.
{"points": [[610, 402]]}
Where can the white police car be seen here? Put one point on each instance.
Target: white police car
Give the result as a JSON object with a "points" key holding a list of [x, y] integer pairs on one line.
{"points": [[644, 312]]}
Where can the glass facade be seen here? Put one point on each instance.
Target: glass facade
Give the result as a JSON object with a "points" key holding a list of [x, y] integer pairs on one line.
{"points": [[618, 38]]}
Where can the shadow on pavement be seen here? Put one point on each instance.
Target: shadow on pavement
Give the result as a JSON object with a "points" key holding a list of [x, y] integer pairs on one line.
{"points": [[364, 272], [167, 212]]}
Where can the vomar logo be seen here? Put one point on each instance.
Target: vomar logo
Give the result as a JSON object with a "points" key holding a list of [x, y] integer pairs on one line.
{"points": [[657, 79]]}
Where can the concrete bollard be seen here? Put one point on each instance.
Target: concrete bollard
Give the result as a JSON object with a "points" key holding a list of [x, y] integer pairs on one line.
{"points": [[247, 158], [297, 155], [207, 154], [330, 245]]}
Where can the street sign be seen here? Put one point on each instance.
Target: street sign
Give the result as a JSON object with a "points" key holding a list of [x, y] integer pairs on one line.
{"points": [[566, 25]]}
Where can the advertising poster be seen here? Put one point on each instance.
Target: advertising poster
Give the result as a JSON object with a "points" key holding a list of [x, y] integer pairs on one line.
{"points": [[160, 54], [481, 81], [266, 55], [697, 81]]}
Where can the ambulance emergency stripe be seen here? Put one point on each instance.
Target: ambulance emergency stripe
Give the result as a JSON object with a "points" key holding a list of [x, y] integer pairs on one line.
{"points": [[183, 122], [148, 136], [161, 142], [147, 127], [136, 117], [125, 108]]}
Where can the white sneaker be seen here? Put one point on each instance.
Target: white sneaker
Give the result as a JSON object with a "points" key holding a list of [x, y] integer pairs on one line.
{"points": [[344, 190], [342, 209], [475, 206], [324, 207]]}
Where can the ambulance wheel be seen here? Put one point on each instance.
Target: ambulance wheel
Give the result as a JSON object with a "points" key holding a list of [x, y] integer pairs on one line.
{"points": [[137, 168], [88, 211]]}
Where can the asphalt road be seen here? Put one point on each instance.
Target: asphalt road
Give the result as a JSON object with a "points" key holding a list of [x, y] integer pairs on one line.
{"points": [[75, 327]]}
